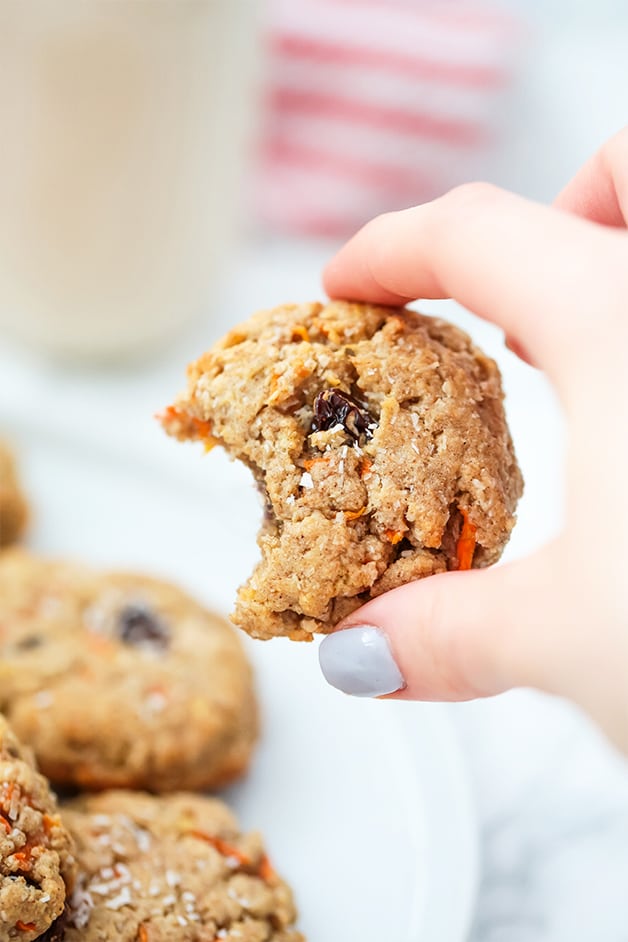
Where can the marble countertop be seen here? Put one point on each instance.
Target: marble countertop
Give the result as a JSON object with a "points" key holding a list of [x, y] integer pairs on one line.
{"points": [[552, 799]]}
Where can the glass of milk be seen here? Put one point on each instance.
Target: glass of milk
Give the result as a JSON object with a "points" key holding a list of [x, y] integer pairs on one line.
{"points": [[124, 127]]}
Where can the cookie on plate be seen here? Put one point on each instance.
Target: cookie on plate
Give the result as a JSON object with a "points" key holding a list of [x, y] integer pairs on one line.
{"points": [[378, 440], [36, 852], [155, 869], [13, 506], [119, 680]]}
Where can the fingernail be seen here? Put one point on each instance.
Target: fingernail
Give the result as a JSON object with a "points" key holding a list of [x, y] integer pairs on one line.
{"points": [[359, 661]]}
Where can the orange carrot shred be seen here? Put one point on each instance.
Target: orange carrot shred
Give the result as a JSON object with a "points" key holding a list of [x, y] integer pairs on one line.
{"points": [[142, 934], [98, 645], [266, 870], [393, 536], [223, 847], [466, 542], [364, 468], [299, 330], [25, 926], [198, 428], [309, 463], [354, 514], [5, 823]]}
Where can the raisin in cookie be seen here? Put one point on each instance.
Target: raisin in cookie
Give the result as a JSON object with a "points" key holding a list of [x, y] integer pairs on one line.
{"points": [[378, 439], [13, 507], [118, 680], [36, 853], [176, 867]]}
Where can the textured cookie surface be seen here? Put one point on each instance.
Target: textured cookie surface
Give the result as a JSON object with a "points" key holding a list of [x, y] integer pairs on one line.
{"points": [[36, 853], [118, 680], [13, 508], [171, 868], [379, 442]]}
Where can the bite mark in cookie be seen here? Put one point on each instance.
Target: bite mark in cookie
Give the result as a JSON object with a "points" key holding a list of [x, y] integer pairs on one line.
{"points": [[378, 440]]}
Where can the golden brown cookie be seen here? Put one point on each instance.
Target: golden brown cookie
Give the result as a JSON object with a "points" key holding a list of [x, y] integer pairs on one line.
{"points": [[13, 506], [171, 868], [379, 442], [36, 853], [119, 680]]}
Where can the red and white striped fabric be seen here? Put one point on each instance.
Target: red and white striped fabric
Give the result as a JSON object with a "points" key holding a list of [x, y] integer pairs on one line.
{"points": [[376, 104]]}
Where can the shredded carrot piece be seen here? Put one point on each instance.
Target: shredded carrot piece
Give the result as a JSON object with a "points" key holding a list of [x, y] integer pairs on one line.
{"points": [[223, 847], [394, 536], [266, 870], [354, 514], [7, 792], [364, 468], [321, 327], [5, 823], [300, 331], [24, 857], [158, 689], [25, 926], [195, 428], [466, 542], [49, 822], [309, 463], [142, 934], [98, 645]]}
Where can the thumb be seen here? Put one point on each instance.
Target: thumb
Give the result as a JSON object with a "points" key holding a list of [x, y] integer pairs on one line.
{"points": [[454, 636]]}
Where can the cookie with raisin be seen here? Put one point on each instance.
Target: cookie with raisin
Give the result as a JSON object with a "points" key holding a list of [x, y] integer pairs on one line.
{"points": [[120, 680], [37, 863], [13, 506], [155, 869], [378, 439]]}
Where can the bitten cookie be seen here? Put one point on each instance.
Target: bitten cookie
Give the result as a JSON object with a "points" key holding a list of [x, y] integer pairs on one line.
{"points": [[13, 507], [118, 680], [379, 443], [171, 868], [36, 851]]}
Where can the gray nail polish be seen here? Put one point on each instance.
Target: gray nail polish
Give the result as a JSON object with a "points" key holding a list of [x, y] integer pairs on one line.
{"points": [[359, 661]]}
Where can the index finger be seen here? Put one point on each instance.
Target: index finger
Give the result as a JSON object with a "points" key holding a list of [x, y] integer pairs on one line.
{"points": [[526, 267], [599, 191]]}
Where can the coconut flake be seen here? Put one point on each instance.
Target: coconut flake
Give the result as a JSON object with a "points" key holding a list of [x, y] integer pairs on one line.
{"points": [[43, 699], [81, 905]]}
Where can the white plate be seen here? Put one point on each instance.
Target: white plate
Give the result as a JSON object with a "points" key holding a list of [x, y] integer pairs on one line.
{"points": [[365, 805]]}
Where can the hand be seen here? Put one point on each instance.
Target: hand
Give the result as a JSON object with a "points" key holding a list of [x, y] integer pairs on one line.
{"points": [[556, 280]]}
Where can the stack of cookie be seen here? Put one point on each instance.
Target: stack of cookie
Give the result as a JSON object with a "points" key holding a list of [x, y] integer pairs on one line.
{"points": [[118, 682]]}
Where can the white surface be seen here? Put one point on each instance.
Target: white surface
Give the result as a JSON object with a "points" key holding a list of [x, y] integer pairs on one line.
{"points": [[365, 805]]}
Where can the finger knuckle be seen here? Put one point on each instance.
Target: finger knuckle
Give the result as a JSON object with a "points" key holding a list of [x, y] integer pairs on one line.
{"points": [[472, 195]]}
